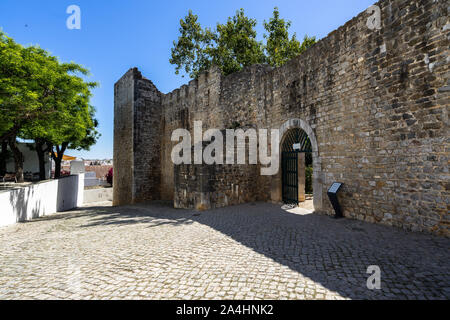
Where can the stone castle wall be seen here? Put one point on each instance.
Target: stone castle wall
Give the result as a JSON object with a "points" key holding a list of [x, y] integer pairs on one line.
{"points": [[374, 101], [204, 187]]}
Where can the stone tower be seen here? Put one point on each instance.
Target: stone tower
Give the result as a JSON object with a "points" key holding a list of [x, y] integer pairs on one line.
{"points": [[137, 145]]}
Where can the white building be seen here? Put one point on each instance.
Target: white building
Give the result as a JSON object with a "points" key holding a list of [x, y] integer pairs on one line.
{"points": [[31, 162]]}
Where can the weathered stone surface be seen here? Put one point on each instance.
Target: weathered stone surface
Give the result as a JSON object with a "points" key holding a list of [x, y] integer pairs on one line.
{"points": [[375, 102], [137, 139]]}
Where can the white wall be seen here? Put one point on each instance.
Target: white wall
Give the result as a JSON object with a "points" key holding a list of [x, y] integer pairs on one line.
{"points": [[41, 199], [31, 162], [77, 166], [98, 195]]}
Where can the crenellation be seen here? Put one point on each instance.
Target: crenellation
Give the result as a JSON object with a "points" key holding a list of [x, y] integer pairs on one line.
{"points": [[184, 94]]}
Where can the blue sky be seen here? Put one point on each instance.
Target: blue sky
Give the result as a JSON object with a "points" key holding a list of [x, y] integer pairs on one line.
{"points": [[116, 35]]}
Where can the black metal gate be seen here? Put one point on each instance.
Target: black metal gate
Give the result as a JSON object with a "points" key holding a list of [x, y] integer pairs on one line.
{"points": [[296, 141], [290, 177]]}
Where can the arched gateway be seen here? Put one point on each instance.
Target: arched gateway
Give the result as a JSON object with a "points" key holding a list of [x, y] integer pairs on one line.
{"points": [[299, 133]]}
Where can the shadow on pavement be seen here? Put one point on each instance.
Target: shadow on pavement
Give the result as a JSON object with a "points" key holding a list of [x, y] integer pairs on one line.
{"points": [[334, 253]]}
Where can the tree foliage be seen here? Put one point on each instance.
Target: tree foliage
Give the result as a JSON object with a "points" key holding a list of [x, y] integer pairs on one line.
{"points": [[192, 51], [279, 47], [234, 45], [44, 100]]}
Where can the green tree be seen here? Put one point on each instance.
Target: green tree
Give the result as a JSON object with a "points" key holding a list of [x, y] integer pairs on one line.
{"points": [[236, 44], [72, 128], [79, 132], [233, 45], [279, 47], [192, 50], [39, 98], [25, 86]]}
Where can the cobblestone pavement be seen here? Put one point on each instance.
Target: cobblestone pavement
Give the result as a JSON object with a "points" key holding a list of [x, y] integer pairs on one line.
{"points": [[257, 251]]}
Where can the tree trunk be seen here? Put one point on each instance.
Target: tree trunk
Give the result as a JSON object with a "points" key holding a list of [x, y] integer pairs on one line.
{"points": [[57, 168], [10, 133], [3, 158], [58, 159], [18, 158], [40, 150]]}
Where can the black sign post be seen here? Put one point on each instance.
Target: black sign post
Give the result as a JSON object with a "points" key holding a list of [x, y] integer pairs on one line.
{"points": [[332, 194]]}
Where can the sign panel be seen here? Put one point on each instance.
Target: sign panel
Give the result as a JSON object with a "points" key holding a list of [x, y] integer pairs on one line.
{"points": [[297, 146], [332, 194], [335, 187]]}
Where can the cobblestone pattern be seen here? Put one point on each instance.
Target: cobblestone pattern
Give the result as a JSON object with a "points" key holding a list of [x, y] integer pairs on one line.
{"points": [[249, 251]]}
